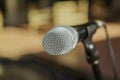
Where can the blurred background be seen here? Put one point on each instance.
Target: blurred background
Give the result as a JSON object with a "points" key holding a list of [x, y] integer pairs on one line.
{"points": [[23, 23]]}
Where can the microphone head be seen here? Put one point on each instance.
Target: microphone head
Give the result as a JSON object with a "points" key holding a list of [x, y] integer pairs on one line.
{"points": [[60, 40]]}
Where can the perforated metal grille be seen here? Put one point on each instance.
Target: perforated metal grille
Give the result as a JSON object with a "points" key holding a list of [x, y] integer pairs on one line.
{"points": [[60, 40]]}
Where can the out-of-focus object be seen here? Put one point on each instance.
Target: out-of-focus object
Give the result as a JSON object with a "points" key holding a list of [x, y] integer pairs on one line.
{"points": [[39, 15], [1, 14], [116, 4], [83, 9], [1, 70], [38, 68], [44, 3], [15, 12], [1, 21], [39, 18], [69, 13], [108, 10], [16, 42]]}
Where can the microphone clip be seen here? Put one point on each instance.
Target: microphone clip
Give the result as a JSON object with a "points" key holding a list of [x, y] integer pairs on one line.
{"points": [[91, 51]]}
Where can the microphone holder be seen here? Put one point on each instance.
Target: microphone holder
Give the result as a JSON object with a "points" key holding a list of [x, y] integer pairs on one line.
{"points": [[92, 54]]}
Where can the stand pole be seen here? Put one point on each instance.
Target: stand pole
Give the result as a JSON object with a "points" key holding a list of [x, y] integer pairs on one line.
{"points": [[92, 57], [96, 71]]}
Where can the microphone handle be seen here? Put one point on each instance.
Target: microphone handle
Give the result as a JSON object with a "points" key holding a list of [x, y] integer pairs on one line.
{"points": [[86, 30]]}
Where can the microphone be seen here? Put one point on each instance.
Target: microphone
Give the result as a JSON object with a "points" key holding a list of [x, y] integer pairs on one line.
{"points": [[62, 39]]}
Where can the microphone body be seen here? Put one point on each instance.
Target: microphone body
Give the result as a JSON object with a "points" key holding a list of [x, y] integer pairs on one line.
{"points": [[62, 39], [86, 30]]}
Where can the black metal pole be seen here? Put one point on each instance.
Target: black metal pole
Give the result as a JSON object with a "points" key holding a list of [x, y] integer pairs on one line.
{"points": [[92, 55], [93, 58], [96, 71]]}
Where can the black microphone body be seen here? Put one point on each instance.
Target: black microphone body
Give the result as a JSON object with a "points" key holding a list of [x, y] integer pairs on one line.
{"points": [[86, 30]]}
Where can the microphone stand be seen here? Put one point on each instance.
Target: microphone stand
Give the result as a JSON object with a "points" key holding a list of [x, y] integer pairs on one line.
{"points": [[92, 54], [92, 58]]}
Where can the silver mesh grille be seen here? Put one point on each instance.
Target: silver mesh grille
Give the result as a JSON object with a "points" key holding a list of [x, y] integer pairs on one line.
{"points": [[60, 40]]}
